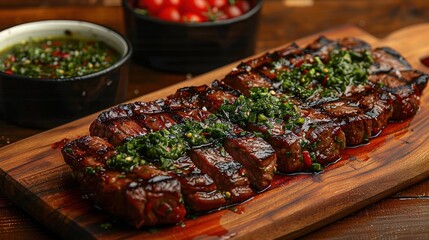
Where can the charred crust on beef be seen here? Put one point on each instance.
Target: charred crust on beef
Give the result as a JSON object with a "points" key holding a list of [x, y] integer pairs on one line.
{"points": [[241, 163]]}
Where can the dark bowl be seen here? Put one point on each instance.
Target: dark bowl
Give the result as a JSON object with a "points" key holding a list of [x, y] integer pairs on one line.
{"points": [[190, 47], [45, 103]]}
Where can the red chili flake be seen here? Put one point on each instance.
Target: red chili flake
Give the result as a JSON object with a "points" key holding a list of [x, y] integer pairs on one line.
{"points": [[307, 158], [299, 63], [325, 81], [242, 172]]}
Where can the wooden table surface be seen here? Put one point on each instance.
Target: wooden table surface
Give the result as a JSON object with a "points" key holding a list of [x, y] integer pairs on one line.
{"points": [[404, 215]]}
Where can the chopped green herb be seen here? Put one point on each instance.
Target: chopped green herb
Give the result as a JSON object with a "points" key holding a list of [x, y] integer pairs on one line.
{"points": [[309, 80], [57, 58], [90, 170], [316, 167], [259, 107], [165, 146]]}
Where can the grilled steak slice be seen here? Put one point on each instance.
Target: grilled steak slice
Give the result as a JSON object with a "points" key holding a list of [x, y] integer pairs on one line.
{"points": [[325, 141], [216, 98], [256, 155], [322, 46], [188, 97], [146, 196], [131, 110], [190, 114], [243, 78], [228, 174], [281, 60], [201, 97], [406, 103], [157, 121], [117, 132], [289, 151], [387, 60], [353, 44], [356, 125], [198, 189], [317, 137], [405, 88], [378, 106], [119, 123]]}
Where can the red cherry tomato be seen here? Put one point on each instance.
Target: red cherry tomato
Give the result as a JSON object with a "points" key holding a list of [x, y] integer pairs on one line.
{"points": [[194, 10], [217, 3], [232, 11], [172, 3], [171, 14], [152, 6], [243, 5], [195, 6], [192, 18], [307, 158]]}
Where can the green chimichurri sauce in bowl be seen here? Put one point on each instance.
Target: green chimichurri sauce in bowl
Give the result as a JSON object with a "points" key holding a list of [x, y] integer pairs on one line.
{"points": [[57, 57], [55, 71]]}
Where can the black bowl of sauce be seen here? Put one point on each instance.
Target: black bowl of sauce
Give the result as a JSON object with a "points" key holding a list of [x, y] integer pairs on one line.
{"points": [[55, 71]]}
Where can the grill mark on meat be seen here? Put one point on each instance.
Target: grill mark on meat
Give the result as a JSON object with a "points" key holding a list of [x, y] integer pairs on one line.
{"points": [[117, 132], [405, 88], [207, 173], [244, 78], [356, 125], [325, 138], [190, 114], [156, 122], [119, 123], [285, 143], [198, 189], [289, 152], [216, 98], [386, 60], [145, 197], [256, 155], [188, 97], [228, 174]]}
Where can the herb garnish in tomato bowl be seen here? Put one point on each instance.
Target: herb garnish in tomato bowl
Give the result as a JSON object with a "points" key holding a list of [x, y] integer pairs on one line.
{"points": [[57, 58]]}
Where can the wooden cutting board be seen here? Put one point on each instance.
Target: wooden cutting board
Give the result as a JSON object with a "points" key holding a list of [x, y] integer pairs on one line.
{"points": [[35, 177]]}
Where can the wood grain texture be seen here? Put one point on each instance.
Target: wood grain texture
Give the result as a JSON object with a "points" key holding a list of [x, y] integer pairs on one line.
{"points": [[376, 217], [35, 177]]}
